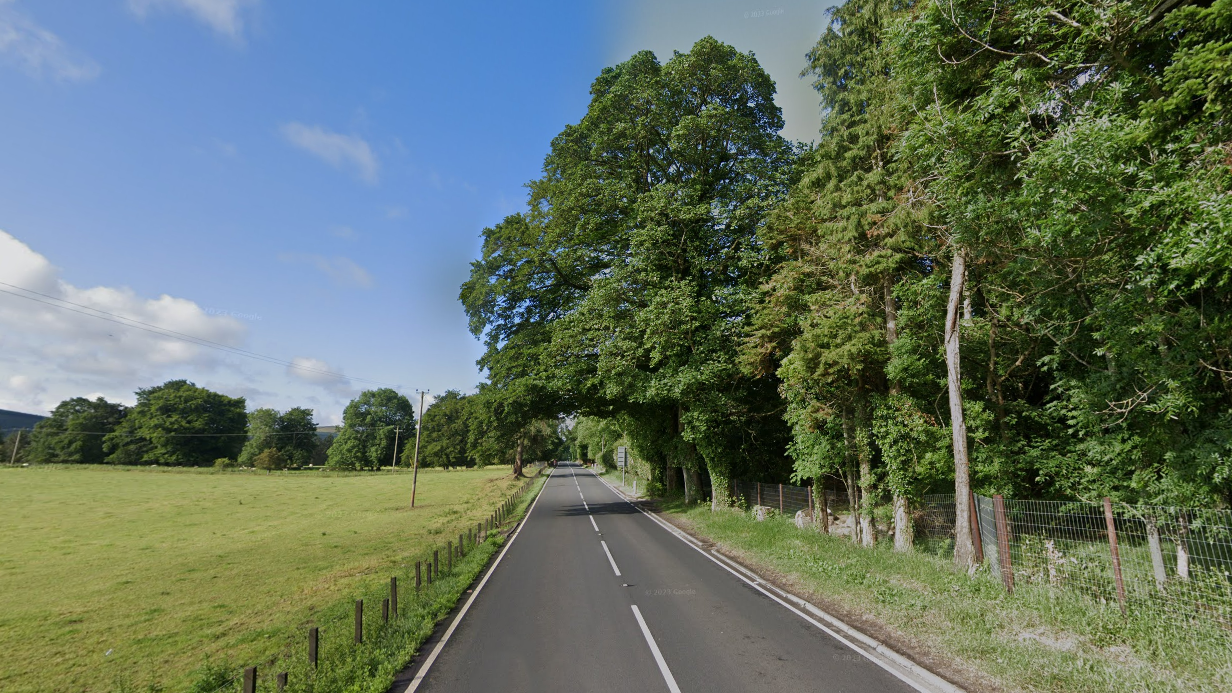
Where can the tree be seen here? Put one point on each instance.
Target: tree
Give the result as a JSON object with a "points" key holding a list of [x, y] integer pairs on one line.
{"points": [[372, 424], [262, 426], [270, 459], [296, 436], [74, 431], [623, 288], [178, 424], [445, 430]]}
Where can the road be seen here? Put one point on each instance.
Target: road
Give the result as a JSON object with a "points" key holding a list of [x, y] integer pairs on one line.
{"points": [[592, 594]]}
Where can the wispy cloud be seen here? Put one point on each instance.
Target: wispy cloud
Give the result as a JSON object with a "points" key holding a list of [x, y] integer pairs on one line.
{"points": [[39, 52], [338, 150], [318, 372], [343, 271], [344, 232], [223, 16]]}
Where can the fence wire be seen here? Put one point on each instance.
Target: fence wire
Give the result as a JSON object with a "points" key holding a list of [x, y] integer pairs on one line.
{"points": [[1174, 560]]}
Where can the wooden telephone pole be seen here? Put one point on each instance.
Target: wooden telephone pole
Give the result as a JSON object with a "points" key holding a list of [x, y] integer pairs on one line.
{"points": [[418, 429]]}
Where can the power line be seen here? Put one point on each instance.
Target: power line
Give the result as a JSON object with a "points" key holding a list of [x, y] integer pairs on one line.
{"points": [[165, 332]]}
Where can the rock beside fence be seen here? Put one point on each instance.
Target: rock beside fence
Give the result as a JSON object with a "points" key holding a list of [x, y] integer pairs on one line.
{"points": [[763, 512], [804, 518]]}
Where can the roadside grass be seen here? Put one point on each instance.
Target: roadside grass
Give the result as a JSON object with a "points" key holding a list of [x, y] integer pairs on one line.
{"points": [[1038, 639], [131, 579]]}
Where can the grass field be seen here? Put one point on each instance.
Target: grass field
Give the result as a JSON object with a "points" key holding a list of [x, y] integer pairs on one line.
{"points": [[1038, 639], [115, 577]]}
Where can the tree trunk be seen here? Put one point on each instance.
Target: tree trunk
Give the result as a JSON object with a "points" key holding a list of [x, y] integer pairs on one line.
{"points": [[821, 509], [517, 460], [1157, 551], [868, 522], [849, 477], [684, 479], [720, 489], [693, 485], [964, 548], [904, 533]]}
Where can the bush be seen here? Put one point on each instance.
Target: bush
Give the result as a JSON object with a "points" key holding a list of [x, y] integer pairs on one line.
{"points": [[270, 459], [225, 463]]}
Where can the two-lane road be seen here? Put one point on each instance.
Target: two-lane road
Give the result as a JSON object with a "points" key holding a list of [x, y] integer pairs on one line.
{"points": [[594, 595]]}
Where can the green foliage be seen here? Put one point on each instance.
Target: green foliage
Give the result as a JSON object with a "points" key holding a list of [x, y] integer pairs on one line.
{"points": [[445, 432], [74, 431], [226, 463], [372, 425], [270, 459], [178, 424]]}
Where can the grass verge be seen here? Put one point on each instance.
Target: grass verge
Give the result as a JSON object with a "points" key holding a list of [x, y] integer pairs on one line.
{"points": [[967, 628]]}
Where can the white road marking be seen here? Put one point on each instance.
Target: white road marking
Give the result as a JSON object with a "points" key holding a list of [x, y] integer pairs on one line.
{"points": [[592, 522], [654, 649], [610, 559], [436, 651], [882, 656]]}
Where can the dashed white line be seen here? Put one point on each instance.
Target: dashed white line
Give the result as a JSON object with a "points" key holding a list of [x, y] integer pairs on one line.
{"points": [[610, 559], [654, 649], [592, 522]]}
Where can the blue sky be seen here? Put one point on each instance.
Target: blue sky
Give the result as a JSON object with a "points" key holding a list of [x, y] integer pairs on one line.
{"points": [[304, 180]]}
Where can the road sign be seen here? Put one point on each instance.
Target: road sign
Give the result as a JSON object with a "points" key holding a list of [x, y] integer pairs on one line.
{"points": [[622, 457]]}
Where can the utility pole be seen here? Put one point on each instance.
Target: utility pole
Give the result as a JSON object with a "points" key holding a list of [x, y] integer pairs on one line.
{"points": [[16, 445], [418, 429], [395, 462]]}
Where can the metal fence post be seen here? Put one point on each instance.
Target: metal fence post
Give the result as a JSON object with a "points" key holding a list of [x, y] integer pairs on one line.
{"points": [[1116, 553], [1003, 543]]}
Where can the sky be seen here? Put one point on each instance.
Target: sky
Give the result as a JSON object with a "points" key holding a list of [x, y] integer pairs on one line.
{"points": [[304, 181]]}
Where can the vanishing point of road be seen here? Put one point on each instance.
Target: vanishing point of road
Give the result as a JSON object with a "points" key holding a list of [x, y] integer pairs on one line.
{"points": [[592, 594]]}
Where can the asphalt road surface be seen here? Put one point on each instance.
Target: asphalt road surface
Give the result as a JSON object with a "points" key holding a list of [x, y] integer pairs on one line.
{"points": [[594, 595]]}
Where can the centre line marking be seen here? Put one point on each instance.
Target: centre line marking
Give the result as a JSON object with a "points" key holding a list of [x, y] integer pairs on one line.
{"points": [[592, 522], [654, 649], [609, 557]]}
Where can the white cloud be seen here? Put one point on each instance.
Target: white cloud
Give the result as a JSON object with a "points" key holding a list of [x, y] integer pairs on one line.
{"points": [[223, 16], [343, 271], [344, 232], [339, 151], [311, 370], [39, 52], [50, 350]]}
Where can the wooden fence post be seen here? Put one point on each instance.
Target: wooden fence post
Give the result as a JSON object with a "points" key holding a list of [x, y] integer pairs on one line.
{"points": [[780, 499], [436, 564], [461, 545], [393, 596], [282, 681], [385, 610], [758, 492], [1116, 553], [250, 680], [359, 621], [976, 538], [313, 635], [449, 558], [1003, 543], [417, 580]]}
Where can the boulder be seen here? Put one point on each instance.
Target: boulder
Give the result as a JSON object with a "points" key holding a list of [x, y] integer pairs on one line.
{"points": [[804, 518], [763, 512]]}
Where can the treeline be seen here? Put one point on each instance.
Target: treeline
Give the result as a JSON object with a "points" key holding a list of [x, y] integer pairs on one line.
{"points": [[180, 424], [1004, 266]]}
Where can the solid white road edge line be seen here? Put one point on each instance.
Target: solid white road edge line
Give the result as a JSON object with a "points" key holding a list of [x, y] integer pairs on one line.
{"points": [[436, 651], [592, 522], [610, 559], [880, 655], [654, 649]]}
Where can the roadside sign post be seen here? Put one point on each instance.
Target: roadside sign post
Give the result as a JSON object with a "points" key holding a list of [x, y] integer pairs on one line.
{"points": [[418, 428], [622, 461]]}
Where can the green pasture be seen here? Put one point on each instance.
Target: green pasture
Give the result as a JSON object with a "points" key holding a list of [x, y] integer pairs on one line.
{"points": [[124, 578]]}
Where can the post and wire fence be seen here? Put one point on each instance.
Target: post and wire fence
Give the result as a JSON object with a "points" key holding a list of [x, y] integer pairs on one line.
{"points": [[327, 644], [1170, 560]]}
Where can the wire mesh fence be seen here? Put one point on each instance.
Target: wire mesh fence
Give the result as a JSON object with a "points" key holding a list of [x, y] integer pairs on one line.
{"points": [[1174, 560], [785, 498]]}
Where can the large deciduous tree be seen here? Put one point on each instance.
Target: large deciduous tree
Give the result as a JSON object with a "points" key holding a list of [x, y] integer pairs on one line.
{"points": [[179, 424], [372, 424], [74, 431]]}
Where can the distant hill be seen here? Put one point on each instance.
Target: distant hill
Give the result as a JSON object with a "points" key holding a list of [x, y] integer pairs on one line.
{"points": [[10, 420]]}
